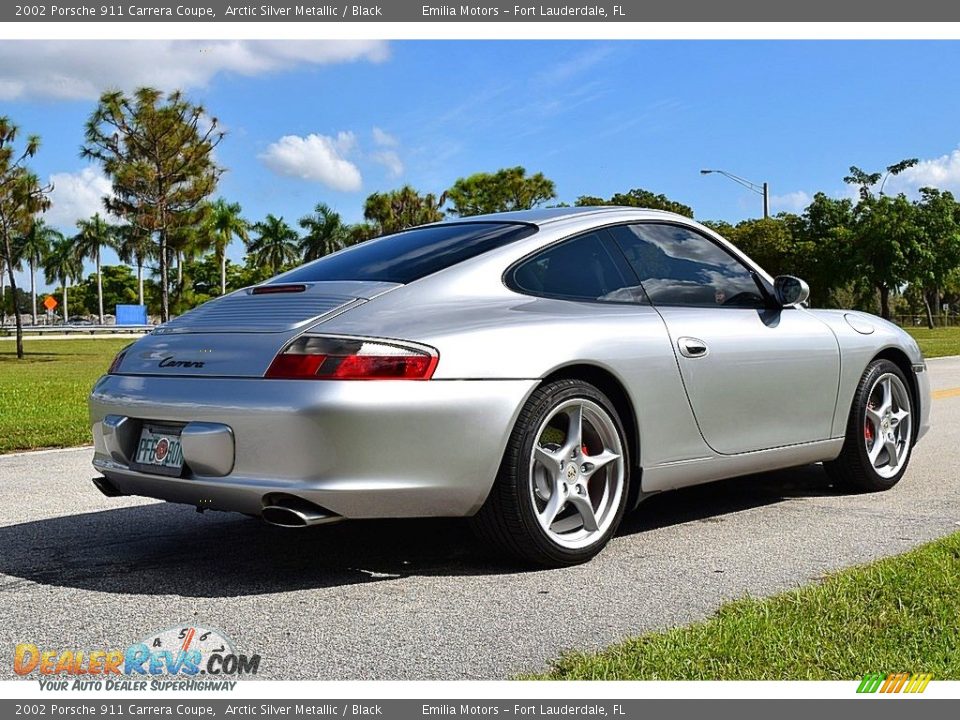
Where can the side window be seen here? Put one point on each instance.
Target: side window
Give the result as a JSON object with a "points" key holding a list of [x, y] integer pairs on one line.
{"points": [[678, 266], [577, 269]]}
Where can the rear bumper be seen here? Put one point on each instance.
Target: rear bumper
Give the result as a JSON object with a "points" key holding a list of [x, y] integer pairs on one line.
{"points": [[358, 449]]}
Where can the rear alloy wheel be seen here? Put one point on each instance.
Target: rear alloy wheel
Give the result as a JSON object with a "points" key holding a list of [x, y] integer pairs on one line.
{"points": [[562, 487], [879, 431]]}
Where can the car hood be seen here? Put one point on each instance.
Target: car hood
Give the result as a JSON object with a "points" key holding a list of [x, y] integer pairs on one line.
{"points": [[240, 334]]}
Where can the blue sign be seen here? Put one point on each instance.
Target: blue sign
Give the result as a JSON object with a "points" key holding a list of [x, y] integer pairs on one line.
{"points": [[131, 314]]}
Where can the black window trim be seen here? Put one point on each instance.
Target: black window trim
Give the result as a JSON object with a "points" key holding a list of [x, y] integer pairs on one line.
{"points": [[613, 251]]}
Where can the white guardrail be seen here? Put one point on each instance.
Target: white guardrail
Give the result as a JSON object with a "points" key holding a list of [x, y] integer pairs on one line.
{"points": [[9, 330]]}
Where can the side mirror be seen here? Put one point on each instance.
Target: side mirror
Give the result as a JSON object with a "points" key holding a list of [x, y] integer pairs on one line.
{"points": [[790, 290]]}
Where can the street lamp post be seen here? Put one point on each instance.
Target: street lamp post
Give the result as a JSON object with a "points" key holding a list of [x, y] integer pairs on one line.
{"points": [[763, 189]]}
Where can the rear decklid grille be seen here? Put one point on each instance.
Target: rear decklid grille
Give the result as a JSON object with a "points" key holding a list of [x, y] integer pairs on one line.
{"points": [[247, 311]]}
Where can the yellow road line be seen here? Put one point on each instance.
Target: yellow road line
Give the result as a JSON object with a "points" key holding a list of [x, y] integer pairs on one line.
{"points": [[945, 393]]}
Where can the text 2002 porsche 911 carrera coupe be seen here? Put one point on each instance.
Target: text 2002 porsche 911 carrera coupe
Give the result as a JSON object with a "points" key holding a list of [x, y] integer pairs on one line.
{"points": [[540, 371]]}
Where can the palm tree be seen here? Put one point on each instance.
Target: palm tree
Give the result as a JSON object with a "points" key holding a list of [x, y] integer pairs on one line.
{"points": [[134, 246], [325, 232], [4, 266], [186, 243], [223, 224], [275, 244], [398, 210], [33, 247], [61, 266], [95, 234]]}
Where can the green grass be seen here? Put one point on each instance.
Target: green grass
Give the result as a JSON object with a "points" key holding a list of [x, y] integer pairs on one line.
{"points": [[43, 398], [937, 342], [899, 614]]}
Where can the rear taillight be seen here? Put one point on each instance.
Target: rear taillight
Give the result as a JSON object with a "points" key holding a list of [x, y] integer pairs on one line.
{"points": [[320, 357]]}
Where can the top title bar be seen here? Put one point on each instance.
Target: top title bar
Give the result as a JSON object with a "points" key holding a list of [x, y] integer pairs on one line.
{"points": [[419, 11]]}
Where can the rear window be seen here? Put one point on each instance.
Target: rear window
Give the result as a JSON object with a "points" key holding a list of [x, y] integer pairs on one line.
{"points": [[410, 255]]}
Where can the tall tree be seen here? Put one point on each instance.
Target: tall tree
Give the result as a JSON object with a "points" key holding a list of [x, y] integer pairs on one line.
{"points": [[500, 191], [224, 223], [21, 198], [768, 241], [94, 234], [938, 220], [158, 152], [866, 181], [275, 244], [638, 197], [62, 266], [33, 248], [398, 210], [17, 265], [824, 245], [325, 233], [886, 245], [186, 244], [134, 247]]}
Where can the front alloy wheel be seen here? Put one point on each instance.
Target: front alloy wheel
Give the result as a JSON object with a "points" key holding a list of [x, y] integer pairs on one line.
{"points": [[880, 434], [562, 488], [887, 427]]}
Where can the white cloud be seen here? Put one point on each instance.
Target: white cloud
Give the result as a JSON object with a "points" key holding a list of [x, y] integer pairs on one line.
{"points": [[83, 69], [390, 160], [790, 202], [942, 172], [388, 156], [319, 158], [76, 196], [383, 138], [576, 64]]}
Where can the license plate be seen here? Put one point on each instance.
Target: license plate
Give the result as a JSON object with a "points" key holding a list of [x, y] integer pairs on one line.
{"points": [[159, 451]]}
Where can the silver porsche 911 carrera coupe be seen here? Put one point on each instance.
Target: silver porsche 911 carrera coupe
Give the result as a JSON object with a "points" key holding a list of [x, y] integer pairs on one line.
{"points": [[541, 372]]}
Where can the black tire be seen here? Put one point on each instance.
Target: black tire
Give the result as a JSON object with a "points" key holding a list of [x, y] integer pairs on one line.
{"points": [[507, 521], [852, 470]]}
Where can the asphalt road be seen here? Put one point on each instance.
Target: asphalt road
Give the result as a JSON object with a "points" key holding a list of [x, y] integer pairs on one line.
{"points": [[419, 599]]}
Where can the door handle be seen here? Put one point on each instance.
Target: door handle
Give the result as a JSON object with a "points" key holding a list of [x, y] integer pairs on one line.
{"points": [[692, 347]]}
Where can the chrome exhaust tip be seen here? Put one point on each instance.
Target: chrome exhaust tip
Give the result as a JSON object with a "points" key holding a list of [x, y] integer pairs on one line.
{"points": [[293, 512]]}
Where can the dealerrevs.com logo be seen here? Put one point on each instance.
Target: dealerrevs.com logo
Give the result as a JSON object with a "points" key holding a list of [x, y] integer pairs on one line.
{"points": [[178, 658]]}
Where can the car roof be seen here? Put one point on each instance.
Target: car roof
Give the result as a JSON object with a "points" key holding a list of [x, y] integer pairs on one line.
{"points": [[545, 216]]}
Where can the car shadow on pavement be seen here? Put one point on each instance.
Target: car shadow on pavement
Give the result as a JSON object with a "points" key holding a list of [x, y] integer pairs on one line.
{"points": [[710, 502], [162, 549]]}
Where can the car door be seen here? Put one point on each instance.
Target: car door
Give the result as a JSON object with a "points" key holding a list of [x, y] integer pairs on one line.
{"points": [[756, 376]]}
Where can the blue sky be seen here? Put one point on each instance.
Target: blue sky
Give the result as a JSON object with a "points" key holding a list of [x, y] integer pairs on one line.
{"points": [[333, 122]]}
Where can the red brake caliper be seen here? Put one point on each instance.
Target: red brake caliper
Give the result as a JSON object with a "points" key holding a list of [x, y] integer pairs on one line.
{"points": [[868, 429]]}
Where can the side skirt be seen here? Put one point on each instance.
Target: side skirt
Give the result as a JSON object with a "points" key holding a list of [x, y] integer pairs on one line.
{"points": [[683, 473]]}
